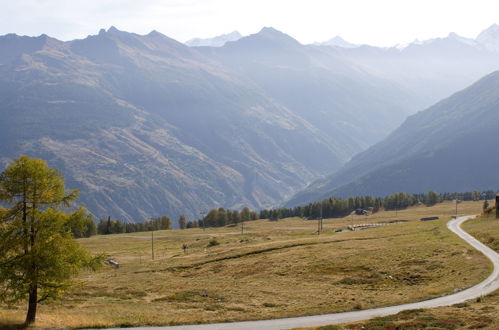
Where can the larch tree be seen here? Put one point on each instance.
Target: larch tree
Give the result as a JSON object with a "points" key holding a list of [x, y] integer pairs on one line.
{"points": [[39, 254], [432, 198]]}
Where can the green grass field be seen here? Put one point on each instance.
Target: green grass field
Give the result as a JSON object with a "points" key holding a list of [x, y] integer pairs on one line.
{"points": [[274, 269]]}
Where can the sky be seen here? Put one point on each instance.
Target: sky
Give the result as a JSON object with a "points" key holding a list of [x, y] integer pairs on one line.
{"points": [[374, 22]]}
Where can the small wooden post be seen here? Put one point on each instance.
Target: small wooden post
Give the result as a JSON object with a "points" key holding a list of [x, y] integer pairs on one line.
{"points": [[497, 206], [319, 223], [202, 217], [152, 243]]}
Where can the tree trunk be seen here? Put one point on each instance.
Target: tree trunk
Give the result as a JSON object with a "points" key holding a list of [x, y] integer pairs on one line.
{"points": [[32, 303]]}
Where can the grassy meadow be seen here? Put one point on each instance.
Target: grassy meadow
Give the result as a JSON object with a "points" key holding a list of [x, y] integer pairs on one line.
{"points": [[275, 269], [482, 313], [485, 229]]}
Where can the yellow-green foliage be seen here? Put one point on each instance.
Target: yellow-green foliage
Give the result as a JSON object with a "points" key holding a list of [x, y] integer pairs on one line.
{"points": [[38, 252]]}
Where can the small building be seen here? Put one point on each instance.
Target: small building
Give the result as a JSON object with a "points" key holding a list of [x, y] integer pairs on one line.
{"points": [[361, 212]]}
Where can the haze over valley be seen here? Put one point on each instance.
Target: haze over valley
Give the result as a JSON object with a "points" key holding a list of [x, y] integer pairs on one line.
{"points": [[144, 125]]}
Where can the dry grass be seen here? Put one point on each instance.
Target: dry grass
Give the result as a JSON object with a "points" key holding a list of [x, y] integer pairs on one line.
{"points": [[486, 229], [276, 269], [482, 313]]}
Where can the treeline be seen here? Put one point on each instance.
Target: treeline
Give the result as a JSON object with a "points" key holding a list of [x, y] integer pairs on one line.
{"points": [[214, 218], [337, 207], [106, 227], [327, 208], [221, 217]]}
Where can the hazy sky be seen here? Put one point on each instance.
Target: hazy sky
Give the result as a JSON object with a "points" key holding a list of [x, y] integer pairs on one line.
{"points": [[375, 22]]}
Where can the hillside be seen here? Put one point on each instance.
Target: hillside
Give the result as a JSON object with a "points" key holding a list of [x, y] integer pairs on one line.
{"points": [[350, 105], [144, 125], [448, 147]]}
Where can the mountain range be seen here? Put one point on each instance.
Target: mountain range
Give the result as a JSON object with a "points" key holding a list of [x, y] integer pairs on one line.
{"points": [[487, 39], [144, 125], [435, 68]]}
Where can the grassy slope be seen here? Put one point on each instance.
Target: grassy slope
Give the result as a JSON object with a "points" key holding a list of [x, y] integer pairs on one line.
{"points": [[276, 269], [485, 229], [482, 313]]}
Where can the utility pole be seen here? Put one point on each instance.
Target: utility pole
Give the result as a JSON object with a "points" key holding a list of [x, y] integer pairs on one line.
{"points": [[457, 201], [322, 218], [497, 206], [242, 227], [319, 222], [202, 218], [152, 243]]}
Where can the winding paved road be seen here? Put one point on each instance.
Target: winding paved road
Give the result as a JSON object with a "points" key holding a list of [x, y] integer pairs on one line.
{"points": [[483, 288]]}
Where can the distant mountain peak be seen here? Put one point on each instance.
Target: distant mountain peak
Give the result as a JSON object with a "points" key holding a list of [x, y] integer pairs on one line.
{"points": [[337, 41], [494, 28], [266, 38], [269, 29], [217, 41], [11, 36], [275, 35], [451, 39], [464, 40], [489, 38], [155, 33], [113, 29], [272, 32], [234, 34]]}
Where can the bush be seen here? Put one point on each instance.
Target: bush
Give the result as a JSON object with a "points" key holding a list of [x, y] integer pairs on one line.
{"points": [[213, 242]]}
